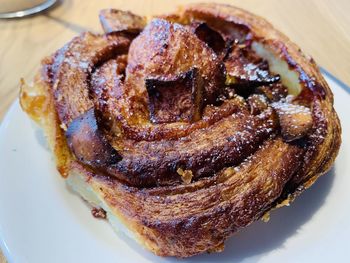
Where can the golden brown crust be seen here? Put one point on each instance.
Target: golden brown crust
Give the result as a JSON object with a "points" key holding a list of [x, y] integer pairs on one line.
{"points": [[169, 217]]}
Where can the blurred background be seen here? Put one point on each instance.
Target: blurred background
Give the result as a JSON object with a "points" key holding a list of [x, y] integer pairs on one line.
{"points": [[320, 27]]}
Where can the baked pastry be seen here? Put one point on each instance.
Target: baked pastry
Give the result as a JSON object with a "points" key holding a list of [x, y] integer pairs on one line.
{"points": [[183, 129]]}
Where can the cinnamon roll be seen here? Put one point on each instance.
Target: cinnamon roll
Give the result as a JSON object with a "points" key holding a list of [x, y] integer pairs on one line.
{"points": [[184, 128]]}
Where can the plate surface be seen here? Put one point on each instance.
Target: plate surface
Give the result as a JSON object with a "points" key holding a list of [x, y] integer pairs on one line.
{"points": [[42, 221]]}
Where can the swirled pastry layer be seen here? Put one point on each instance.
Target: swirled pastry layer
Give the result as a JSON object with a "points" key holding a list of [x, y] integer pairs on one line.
{"points": [[186, 127]]}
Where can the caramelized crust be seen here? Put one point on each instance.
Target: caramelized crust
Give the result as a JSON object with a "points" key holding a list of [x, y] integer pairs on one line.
{"points": [[246, 70], [204, 152], [189, 128], [71, 69]]}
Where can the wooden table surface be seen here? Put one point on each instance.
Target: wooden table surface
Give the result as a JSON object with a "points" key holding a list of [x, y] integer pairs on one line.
{"points": [[320, 27]]}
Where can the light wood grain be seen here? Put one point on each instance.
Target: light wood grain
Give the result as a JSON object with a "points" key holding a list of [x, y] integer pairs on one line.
{"points": [[2, 258], [320, 27]]}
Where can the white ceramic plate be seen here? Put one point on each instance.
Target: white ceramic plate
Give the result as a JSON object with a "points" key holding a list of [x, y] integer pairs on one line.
{"points": [[42, 221]]}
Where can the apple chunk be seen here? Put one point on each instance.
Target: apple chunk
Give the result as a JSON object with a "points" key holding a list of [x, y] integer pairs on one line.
{"points": [[176, 99], [88, 143], [113, 20], [295, 120]]}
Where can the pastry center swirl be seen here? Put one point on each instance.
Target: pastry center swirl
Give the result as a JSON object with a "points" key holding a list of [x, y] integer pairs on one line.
{"points": [[168, 103]]}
